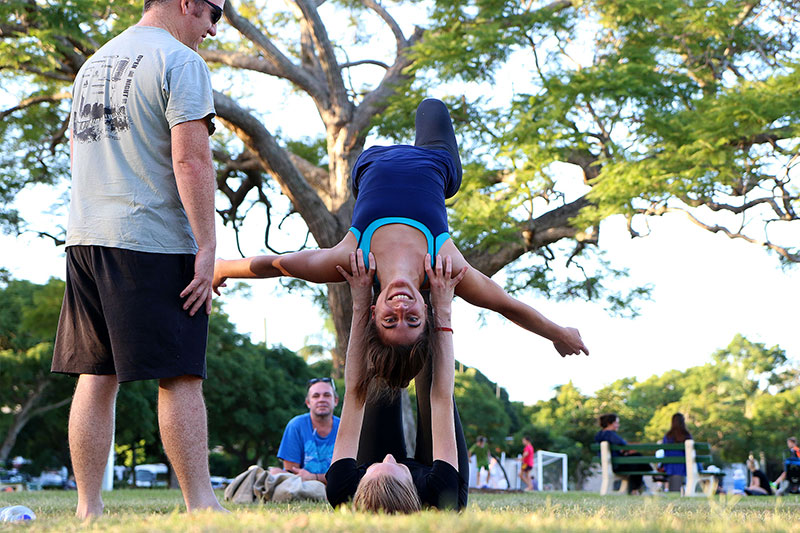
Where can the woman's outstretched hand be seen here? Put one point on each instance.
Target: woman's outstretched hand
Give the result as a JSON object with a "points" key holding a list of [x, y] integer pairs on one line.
{"points": [[441, 280], [361, 279], [219, 279], [570, 343]]}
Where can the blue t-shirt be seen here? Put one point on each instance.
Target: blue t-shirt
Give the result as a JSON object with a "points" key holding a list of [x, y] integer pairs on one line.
{"points": [[302, 445]]}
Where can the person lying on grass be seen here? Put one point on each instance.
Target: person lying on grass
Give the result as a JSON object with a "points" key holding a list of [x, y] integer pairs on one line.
{"points": [[370, 464]]}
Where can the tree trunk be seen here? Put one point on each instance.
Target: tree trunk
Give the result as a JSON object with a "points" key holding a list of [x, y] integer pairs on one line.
{"points": [[341, 305], [25, 414]]}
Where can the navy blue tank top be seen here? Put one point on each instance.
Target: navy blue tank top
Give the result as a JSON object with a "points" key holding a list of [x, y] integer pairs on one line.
{"points": [[403, 184]]}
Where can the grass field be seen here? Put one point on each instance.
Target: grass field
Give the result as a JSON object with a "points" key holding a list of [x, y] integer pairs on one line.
{"points": [[162, 510]]}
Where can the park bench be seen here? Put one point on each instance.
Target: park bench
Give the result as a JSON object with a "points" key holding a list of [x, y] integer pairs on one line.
{"points": [[694, 474]]}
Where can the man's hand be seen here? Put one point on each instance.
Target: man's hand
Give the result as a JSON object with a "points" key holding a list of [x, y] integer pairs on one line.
{"points": [[198, 292], [570, 343], [360, 280], [304, 474]]}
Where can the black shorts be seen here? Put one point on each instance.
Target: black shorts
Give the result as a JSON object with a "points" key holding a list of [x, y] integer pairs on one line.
{"points": [[526, 467], [123, 314]]}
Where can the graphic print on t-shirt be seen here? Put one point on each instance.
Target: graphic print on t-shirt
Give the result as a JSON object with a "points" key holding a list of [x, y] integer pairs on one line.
{"points": [[317, 454], [102, 98]]}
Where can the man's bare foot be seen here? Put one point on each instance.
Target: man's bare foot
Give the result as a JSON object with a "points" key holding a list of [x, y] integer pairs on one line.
{"points": [[89, 512]]}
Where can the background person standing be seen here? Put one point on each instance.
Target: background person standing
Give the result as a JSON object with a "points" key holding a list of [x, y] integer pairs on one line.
{"points": [[481, 452], [526, 472], [141, 242]]}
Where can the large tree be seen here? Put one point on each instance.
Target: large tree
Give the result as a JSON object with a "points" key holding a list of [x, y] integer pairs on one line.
{"points": [[28, 391], [662, 106]]}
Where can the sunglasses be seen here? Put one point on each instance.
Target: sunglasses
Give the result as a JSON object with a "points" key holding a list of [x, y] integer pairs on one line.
{"points": [[322, 380], [216, 11]]}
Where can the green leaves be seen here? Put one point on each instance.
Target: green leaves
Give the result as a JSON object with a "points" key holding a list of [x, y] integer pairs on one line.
{"points": [[735, 403], [662, 104]]}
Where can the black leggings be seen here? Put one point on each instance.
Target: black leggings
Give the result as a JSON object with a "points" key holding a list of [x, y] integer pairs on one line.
{"points": [[382, 432], [434, 129]]}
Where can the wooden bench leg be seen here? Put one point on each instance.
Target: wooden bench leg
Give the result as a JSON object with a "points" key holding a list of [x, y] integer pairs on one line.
{"points": [[710, 486], [605, 466]]}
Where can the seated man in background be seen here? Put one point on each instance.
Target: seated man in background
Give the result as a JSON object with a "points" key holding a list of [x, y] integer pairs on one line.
{"points": [[307, 444]]}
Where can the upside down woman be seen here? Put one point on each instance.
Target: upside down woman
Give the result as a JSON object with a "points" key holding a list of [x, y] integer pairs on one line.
{"points": [[370, 464], [400, 217]]}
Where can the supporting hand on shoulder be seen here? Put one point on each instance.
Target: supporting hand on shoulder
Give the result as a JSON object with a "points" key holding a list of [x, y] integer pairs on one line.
{"points": [[442, 282]]}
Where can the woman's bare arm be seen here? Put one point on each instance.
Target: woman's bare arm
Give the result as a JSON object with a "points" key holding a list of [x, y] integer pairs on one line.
{"points": [[316, 266], [442, 285], [479, 290], [360, 281]]}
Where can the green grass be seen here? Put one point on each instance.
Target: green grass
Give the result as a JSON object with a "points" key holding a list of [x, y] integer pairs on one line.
{"points": [[162, 510]]}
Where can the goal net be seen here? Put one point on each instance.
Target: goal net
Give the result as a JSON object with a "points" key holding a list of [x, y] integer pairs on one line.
{"points": [[550, 470]]}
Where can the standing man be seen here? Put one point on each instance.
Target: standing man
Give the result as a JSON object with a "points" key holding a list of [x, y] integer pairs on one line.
{"points": [[307, 444], [141, 242], [527, 463]]}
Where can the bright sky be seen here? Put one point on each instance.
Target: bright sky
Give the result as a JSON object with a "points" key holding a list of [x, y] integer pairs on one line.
{"points": [[707, 289]]}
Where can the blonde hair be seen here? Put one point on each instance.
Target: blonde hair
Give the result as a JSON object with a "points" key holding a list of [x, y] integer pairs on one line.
{"points": [[388, 494]]}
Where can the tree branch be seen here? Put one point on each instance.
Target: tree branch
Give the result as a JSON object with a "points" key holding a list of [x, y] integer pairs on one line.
{"points": [[399, 38], [284, 68], [351, 64], [34, 100], [13, 30], [327, 59], [50, 74], [323, 225], [784, 252], [45, 408], [375, 101], [539, 232], [240, 60], [56, 240]]}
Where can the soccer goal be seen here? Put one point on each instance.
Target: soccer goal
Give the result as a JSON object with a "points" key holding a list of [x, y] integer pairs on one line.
{"points": [[551, 470]]}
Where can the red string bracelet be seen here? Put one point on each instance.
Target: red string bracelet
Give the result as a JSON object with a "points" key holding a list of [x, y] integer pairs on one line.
{"points": [[442, 328]]}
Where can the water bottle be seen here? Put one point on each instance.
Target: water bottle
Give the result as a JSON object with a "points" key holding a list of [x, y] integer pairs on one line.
{"points": [[16, 513]]}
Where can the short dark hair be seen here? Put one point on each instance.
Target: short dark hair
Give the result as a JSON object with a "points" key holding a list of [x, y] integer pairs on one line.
{"points": [[150, 3], [329, 381], [607, 419], [793, 439]]}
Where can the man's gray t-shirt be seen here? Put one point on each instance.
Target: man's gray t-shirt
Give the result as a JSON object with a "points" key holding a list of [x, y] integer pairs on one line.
{"points": [[126, 98]]}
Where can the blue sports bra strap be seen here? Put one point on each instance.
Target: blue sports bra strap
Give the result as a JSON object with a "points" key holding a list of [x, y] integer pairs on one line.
{"points": [[440, 240], [366, 237]]}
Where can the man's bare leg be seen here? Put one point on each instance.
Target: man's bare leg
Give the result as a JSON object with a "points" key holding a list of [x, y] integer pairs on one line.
{"points": [[184, 433], [91, 428]]}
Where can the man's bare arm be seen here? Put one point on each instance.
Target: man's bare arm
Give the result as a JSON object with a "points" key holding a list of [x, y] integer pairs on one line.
{"points": [[194, 175]]}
